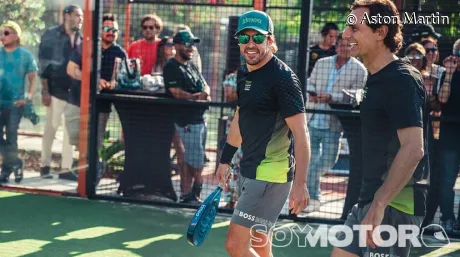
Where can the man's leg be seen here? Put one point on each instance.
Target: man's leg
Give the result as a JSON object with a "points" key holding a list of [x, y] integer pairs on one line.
{"points": [[330, 155], [53, 120], [449, 162], [103, 119], [186, 175], [12, 160], [67, 148], [240, 242], [313, 181], [258, 208]]}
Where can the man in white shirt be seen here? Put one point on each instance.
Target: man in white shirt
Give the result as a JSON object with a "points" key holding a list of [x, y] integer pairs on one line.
{"points": [[330, 76]]}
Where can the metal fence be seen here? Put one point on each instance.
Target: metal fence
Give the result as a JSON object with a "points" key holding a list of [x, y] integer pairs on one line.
{"points": [[139, 157]]}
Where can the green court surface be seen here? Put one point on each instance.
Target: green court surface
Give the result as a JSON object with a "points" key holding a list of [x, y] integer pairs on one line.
{"points": [[47, 226]]}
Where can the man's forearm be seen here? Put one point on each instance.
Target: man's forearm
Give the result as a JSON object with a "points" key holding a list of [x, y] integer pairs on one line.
{"points": [[444, 92], [302, 157], [45, 85], [400, 173], [32, 85], [234, 135]]}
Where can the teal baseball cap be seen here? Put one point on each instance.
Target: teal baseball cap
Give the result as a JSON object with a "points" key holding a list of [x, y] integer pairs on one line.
{"points": [[185, 36], [255, 20]]}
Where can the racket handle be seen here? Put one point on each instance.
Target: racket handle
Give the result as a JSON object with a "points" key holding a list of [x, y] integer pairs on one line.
{"points": [[227, 175]]}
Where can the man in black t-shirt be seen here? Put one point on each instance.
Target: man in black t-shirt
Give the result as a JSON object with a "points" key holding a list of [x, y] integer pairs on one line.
{"points": [[326, 48], [110, 51], [449, 137], [184, 81], [269, 123], [394, 135]]}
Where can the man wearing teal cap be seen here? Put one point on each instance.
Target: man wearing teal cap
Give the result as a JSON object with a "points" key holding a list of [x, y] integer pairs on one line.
{"points": [[16, 64], [270, 126]]}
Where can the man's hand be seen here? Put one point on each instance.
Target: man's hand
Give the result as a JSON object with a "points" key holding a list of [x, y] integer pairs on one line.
{"points": [[313, 99], [200, 96], [324, 98], [46, 99], [299, 197], [373, 218], [104, 84], [221, 173], [20, 103], [450, 63]]}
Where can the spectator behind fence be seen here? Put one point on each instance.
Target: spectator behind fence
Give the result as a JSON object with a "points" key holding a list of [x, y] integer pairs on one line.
{"points": [[196, 59], [16, 63], [449, 137], [417, 55], [330, 76], [184, 81], [110, 50], [56, 45], [326, 47], [165, 52], [146, 49]]}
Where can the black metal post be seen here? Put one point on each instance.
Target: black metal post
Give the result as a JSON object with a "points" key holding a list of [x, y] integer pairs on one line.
{"points": [[303, 60], [93, 155]]}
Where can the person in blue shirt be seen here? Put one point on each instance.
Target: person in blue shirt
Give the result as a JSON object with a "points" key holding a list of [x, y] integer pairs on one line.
{"points": [[16, 63]]}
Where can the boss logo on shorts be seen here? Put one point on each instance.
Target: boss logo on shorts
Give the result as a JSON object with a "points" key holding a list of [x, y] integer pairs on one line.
{"points": [[253, 218], [371, 254]]}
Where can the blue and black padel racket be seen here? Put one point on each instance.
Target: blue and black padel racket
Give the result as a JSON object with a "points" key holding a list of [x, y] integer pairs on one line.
{"points": [[202, 221]]}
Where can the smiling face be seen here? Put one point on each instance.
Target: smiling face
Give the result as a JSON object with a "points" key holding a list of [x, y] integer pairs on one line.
{"points": [[362, 38], [252, 52], [109, 31]]}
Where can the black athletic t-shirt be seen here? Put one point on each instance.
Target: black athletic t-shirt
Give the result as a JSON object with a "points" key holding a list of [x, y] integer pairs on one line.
{"points": [[266, 97], [317, 53], [394, 98], [188, 78]]}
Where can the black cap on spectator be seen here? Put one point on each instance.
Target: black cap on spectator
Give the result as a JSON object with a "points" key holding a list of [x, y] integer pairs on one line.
{"points": [[185, 36], [425, 30]]}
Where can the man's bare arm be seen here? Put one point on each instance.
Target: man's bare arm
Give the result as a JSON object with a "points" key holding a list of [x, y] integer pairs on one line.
{"points": [[403, 166], [31, 76], [45, 86], [73, 70], [234, 135], [181, 94], [298, 125]]}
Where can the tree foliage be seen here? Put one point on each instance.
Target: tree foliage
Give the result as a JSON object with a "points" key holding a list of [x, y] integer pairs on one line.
{"points": [[28, 14]]}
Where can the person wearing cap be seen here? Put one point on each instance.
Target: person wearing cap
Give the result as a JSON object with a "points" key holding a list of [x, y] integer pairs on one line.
{"points": [[183, 81], [56, 46], [270, 127], [16, 64]]}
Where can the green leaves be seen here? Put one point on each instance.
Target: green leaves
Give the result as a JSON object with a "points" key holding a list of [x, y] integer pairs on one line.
{"points": [[28, 14]]}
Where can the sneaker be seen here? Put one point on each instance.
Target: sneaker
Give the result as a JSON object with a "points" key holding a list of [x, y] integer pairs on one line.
{"points": [[45, 172], [4, 178], [19, 172], [313, 206], [190, 198], [68, 175], [448, 225]]}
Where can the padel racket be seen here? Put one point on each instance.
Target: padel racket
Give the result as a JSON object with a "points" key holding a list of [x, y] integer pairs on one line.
{"points": [[202, 221]]}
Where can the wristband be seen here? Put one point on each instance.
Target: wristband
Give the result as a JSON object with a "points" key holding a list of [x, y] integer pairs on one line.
{"points": [[227, 153]]}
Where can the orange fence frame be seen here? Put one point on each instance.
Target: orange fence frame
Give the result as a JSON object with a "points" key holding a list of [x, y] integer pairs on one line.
{"points": [[87, 53]]}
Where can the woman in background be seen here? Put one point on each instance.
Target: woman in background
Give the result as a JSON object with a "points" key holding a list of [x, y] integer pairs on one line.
{"points": [[165, 51]]}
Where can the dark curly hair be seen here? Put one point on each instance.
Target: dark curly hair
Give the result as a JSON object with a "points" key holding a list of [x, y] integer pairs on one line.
{"points": [[386, 8]]}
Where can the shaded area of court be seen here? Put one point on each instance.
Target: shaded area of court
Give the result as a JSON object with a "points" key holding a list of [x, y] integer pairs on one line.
{"points": [[35, 225]]}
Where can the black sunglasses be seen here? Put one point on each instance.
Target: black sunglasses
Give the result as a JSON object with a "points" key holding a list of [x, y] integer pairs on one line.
{"points": [[108, 29], [434, 50], [150, 27]]}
